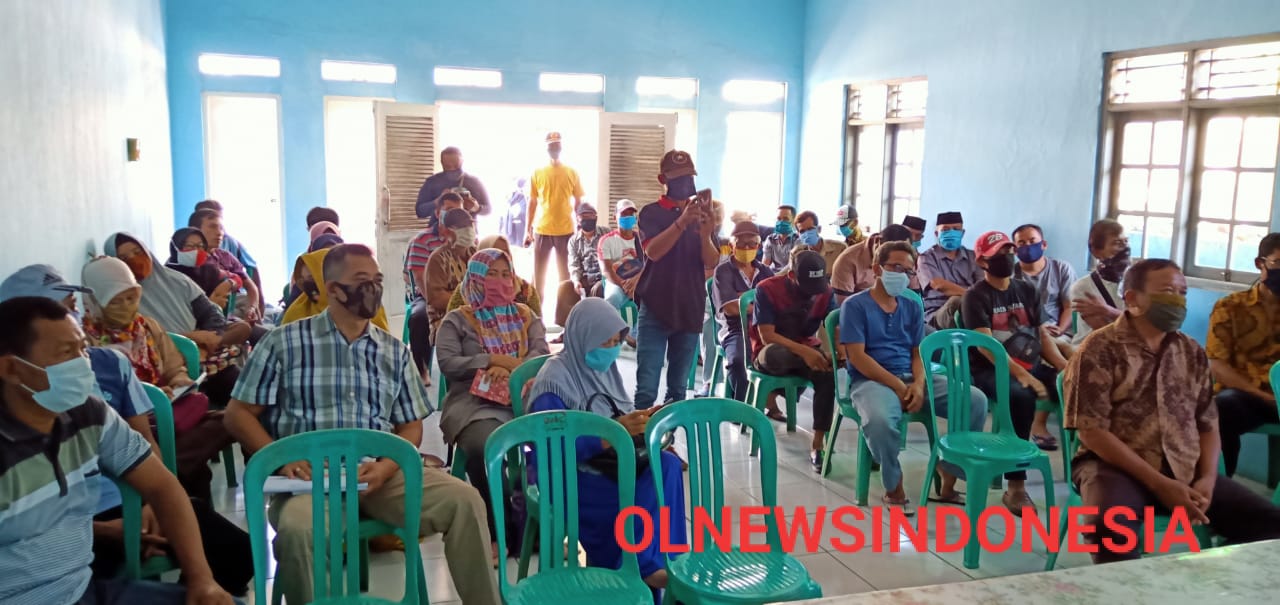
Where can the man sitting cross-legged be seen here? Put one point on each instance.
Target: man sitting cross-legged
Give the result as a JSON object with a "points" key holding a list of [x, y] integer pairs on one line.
{"points": [[880, 332], [1138, 390], [337, 370]]}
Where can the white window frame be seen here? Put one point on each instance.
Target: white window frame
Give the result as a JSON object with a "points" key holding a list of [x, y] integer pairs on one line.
{"points": [[467, 77], [357, 71], [228, 65], [568, 82], [894, 122], [1193, 111], [675, 88]]}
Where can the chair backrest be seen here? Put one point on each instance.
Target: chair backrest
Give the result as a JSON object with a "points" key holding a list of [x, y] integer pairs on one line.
{"points": [[745, 301], [163, 409], [951, 349], [521, 376], [830, 324], [190, 353], [701, 420], [340, 451], [711, 286], [913, 295], [958, 320], [1275, 380], [551, 439], [231, 305]]}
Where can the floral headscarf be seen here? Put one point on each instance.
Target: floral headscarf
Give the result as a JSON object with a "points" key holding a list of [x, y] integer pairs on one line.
{"points": [[503, 330]]}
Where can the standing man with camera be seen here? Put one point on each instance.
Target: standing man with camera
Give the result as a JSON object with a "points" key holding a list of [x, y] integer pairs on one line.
{"points": [[451, 178], [680, 244], [551, 214]]}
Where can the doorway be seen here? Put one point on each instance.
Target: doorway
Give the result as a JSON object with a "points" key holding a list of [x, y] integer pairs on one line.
{"points": [[350, 166], [242, 172]]}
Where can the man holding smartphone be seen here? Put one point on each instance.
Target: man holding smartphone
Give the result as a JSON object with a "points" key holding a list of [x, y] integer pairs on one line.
{"points": [[679, 243]]}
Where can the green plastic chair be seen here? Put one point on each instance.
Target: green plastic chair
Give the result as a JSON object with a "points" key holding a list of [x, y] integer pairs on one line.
{"points": [[515, 464], [732, 576], [717, 371], [1272, 431], [552, 438], [630, 313], [1161, 523], [760, 386], [131, 501], [337, 449], [981, 455], [404, 334], [191, 354], [845, 409]]}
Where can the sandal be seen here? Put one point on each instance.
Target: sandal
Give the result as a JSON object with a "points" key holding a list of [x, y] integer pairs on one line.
{"points": [[776, 415], [1016, 505], [1045, 442], [905, 504], [955, 498]]}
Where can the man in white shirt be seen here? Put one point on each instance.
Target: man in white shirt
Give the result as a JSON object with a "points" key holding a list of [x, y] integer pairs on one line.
{"points": [[1096, 296]]}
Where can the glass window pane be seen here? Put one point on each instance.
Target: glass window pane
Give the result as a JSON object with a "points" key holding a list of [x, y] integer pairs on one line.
{"points": [[1159, 237], [1217, 193], [1253, 199], [1211, 244], [1134, 228], [1137, 143], [1133, 189], [1166, 148], [1222, 142], [1162, 192], [1260, 134], [1133, 82], [905, 180], [1244, 247]]}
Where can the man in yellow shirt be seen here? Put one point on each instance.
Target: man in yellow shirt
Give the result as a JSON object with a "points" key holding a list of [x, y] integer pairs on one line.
{"points": [[551, 214]]}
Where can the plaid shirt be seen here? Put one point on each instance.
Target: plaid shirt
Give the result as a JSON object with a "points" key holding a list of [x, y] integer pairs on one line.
{"points": [[584, 256], [415, 260], [310, 378]]}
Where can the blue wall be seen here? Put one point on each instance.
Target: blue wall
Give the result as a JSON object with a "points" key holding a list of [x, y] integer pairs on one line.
{"points": [[712, 40], [1014, 96]]}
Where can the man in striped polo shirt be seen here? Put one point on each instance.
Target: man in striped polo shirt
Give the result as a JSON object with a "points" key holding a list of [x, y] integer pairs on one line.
{"points": [[415, 281], [54, 436]]}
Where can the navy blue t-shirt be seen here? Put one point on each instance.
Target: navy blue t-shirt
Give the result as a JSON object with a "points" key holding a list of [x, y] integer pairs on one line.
{"points": [[888, 337], [673, 287]]}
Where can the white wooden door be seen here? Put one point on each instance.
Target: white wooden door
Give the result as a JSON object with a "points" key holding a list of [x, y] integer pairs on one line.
{"points": [[406, 156], [631, 150]]}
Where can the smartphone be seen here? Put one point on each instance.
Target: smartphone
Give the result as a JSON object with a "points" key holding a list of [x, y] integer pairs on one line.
{"points": [[703, 197]]}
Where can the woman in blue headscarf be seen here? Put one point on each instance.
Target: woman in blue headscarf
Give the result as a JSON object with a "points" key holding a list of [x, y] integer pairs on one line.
{"points": [[585, 377]]}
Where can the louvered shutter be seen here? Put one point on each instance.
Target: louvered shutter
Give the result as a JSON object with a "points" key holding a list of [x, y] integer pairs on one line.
{"points": [[406, 148], [631, 149]]}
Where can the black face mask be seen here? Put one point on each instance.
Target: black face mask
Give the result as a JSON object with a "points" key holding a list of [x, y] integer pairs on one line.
{"points": [[1113, 268], [1001, 265], [588, 224], [1272, 281], [363, 300], [309, 287]]}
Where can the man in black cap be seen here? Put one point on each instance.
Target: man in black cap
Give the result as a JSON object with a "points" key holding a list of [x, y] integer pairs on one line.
{"points": [[787, 338], [916, 226], [855, 267], [946, 271], [679, 240]]}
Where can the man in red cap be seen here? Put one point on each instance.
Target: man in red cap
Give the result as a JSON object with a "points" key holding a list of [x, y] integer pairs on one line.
{"points": [[679, 240], [1009, 310], [554, 193]]}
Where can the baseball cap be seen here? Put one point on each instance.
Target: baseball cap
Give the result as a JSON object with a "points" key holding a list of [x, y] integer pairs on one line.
{"points": [[676, 164], [745, 228], [845, 214], [553, 137], [811, 273], [625, 204], [585, 208], [990, 243], [38, 280]]}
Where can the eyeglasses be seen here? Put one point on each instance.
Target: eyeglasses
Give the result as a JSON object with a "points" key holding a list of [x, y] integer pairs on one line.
{"points": [[898, 268]]}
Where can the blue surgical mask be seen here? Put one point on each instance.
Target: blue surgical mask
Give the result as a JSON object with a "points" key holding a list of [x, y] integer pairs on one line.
{"points": [[627, 222], [681, 188], [810, 238], [1031, 253], [846, 230], [70, 384], [917, 243], [601, 359], [782, 228], [951, 240], [895, 283]]}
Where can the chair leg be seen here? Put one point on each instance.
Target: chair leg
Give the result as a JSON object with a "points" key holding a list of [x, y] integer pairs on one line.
{"points": [[929, 472], [863, 486], [830, 445], [526, 544], [1062, 537], [229, 466], [459, 467], [906, 421], [364, 564], [997, 482], [793, 401], [974, 505]]}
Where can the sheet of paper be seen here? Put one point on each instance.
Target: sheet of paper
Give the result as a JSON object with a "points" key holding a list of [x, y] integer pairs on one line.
{"points": [[277, 484]]}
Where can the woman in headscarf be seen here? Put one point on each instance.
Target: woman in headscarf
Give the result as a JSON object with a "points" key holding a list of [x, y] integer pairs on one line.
{"points": [[526, 294], [175, 301], [189, 255], [323, 228], [302, 278], [584, 376], [112, 320], [313, 298], [485, 339]]}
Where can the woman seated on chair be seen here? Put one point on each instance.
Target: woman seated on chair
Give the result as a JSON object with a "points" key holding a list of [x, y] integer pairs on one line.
{"points": [[315, 298], [112, 321], [585, 377], [526, 294], [478, 345], [188, 255]]}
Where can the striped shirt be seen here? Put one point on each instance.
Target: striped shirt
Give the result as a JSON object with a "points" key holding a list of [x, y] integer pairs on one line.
{"points": [[310, 378], [47, 501], [415, 260]]}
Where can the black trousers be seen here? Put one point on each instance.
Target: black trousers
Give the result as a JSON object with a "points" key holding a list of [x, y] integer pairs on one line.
{"points": [[735, 368], [471, 440], [1235, 513], [778, 361], [226, 546], [1239, 413], [1022, 400], [542, 247], [420, 335]]}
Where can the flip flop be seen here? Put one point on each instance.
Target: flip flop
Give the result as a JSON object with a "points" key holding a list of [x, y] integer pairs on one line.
{"points": [[956, 499], [776, 415], [1045, 442]]}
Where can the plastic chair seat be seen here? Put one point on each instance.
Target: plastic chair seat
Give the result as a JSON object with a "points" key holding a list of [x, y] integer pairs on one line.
{"points": [[580, 586], [988, 446], [737, 576], [354, 600]]}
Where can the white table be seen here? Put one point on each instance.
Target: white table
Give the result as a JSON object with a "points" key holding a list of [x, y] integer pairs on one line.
{"points": [[1246, 573]]}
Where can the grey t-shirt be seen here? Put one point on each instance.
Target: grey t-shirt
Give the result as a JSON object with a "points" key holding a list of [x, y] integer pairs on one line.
{"points": [[1053, 284]]}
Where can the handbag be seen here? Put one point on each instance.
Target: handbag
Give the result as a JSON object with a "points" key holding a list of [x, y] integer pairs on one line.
{"points": [[188, 411], [606, 462]]}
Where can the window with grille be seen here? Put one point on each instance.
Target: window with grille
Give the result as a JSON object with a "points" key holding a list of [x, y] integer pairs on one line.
{"points": [[884, 149], [1189, 152]]}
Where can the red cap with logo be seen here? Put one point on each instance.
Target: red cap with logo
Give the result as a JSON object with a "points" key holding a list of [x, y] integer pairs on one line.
{"points": [[990, 243]]}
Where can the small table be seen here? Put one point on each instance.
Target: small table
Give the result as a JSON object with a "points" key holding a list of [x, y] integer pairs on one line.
{"points": [[1244, 573]]}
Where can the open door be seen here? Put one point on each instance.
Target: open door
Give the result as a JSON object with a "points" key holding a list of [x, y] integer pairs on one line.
{"points": [[631, 150], [406, 152]]}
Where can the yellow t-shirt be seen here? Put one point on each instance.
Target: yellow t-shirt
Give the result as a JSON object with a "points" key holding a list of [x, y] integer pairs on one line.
{"points": [[553, 187]]}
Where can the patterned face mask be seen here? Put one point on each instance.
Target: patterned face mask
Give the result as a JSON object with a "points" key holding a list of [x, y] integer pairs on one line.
{"points": [[363, 299]]}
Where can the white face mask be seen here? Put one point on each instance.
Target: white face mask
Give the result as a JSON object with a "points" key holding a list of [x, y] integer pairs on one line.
{"points": [[464, 238], [188, 258], [70, 384]]}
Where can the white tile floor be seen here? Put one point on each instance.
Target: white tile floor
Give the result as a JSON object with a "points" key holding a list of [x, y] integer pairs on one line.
{"points": [[837, 572]]}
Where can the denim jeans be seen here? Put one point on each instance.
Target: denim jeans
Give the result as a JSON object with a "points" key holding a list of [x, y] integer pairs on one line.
{"points": [[657, 344], [881, 413], [734, 366]]}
